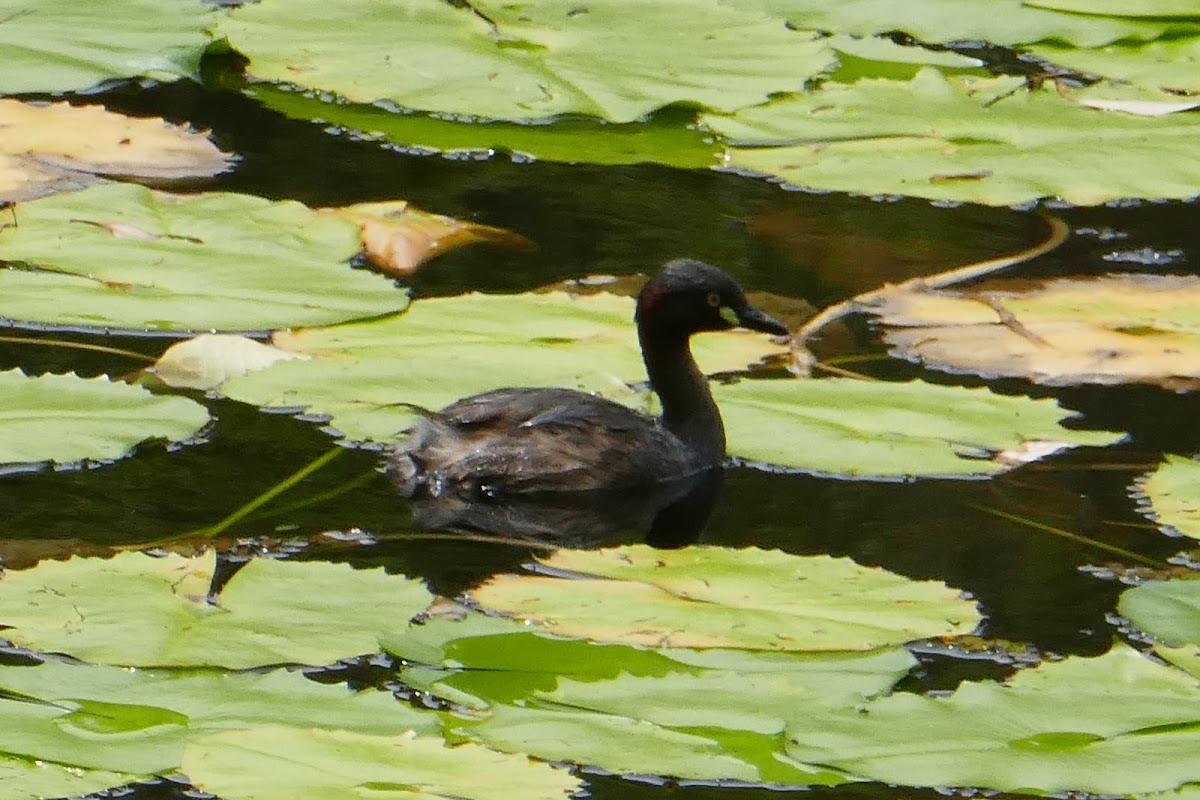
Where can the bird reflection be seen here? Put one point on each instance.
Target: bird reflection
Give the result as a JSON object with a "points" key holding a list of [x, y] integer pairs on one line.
{"points": [[669, 515]]}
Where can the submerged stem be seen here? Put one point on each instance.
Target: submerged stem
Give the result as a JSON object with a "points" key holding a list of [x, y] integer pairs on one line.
{"points": [[1072, 537]]}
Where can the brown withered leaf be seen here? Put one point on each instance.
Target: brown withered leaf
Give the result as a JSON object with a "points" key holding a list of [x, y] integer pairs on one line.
{"points": [[1108, 330], [398, 238], [48, 148]]}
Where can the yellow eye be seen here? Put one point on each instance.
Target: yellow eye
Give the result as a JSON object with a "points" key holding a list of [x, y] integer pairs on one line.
{"points": [[714, 299]]}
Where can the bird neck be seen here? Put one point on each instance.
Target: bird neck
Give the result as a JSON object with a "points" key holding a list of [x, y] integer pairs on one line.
{"points": [[688, 408]]}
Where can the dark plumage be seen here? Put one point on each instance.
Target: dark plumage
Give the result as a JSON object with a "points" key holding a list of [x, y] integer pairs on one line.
{"points": [[529, 440]]}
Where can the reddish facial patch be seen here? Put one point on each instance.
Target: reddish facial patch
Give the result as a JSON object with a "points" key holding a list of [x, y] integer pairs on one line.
{"points": [[650, 298]]}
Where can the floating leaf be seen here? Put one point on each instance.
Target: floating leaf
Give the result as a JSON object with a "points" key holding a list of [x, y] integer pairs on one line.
{"points": [[705, 597], [1123, 8], [137, 610], [28, 779], [398, 238], [208, 360], [702, 715], [446, 348], [882, 429], [1115, 725], [1145, 108], [616, 744], [1172, 495], [48, 147], [1167, 610], [531, 61], [484, 660], [1113, 329], [719, 725], [670, 137], [68, 419], [276, 763], [210, 261], [65, 45], [138, 721], [1004, 22], [1186, 657], [1167, 64], [981, 140]]}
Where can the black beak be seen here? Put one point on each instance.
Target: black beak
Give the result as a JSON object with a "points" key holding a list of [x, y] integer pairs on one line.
{"points": [[750, 317]]}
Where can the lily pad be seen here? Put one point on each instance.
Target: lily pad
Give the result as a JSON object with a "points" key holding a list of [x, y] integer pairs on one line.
{"points": [[889, 430], [446, 348], [1186, 657], [136, 610], [1118, 724], [695, 714], [1123, 8], [979, 140], [1109, 330], [1004, 22], [30, 779], [616, 744], [1166, 64], [529, 61], [1172, 495], [277, 763], [714, 726], [139, 721], [1167, 610], [65, 45], [123, 256], [704, 597], [60, 147], [482, 661], [670, 138], [67, 419]]}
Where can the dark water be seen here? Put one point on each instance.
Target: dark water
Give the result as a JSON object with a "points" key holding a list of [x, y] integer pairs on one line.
{"points": [[587, 220]]}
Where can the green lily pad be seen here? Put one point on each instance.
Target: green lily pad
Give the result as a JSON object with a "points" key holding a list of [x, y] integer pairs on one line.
{"points": [[880, 57], [616, 744], [718, 725], [670, 137], [1167, 610], [529, 61], [979, 140], [122, 256], [1165, 64], [31, 779], [67, 419], [65, 45], [139, 721], [1118, 724], [277, 763], [1186, 657], [878, 429], [136, 610], [482, 661], [702, 597], [695, 714], [1171, 495], [446, 348], [1005, 22], [1123, 8]]}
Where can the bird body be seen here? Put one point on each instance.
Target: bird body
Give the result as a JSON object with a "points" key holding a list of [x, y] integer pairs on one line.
{"points": [[529, 440]]}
